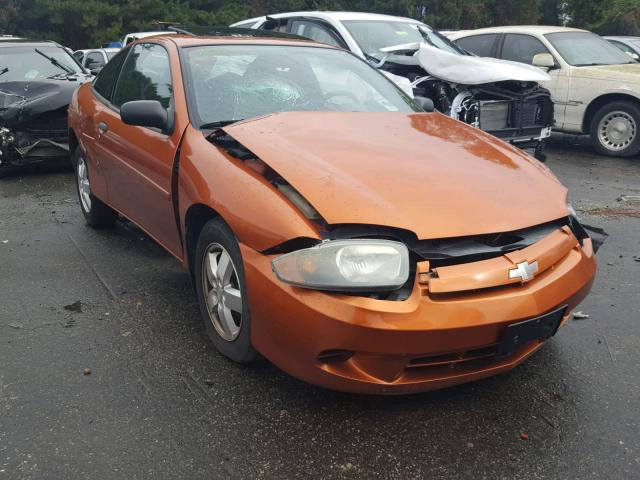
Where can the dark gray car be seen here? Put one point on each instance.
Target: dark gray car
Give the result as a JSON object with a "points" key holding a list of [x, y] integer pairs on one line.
{"points": [[37, 80]]}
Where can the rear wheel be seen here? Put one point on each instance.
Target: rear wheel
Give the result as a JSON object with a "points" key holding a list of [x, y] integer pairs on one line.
{"points": [[221, 291], [96, 213], [614, 129]]}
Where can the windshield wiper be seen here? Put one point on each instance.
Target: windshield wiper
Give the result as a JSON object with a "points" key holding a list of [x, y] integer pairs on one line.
{"points": [[54, 61], [218, 124], [4, 70]]}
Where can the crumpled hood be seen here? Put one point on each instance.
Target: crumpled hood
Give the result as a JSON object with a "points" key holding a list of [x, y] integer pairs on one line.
{"points": [[422, 172], [621, 74], [22, 101], [464, 69]]}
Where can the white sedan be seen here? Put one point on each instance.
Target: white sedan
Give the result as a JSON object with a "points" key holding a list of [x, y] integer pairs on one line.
{"points": [[596, 87]]}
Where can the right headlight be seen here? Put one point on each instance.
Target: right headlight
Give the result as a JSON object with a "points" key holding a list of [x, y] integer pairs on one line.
{"points": [[346, 265]]}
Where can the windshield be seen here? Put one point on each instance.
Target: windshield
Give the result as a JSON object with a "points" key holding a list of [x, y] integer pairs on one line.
{"points": [[24, 63], [582, 49], [227, 83], [372, 35]]}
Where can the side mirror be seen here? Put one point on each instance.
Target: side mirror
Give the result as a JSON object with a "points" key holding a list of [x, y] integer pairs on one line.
{"points": [[543, 60], [635, 56], [426, 104], [95, 71], [145, 113]]}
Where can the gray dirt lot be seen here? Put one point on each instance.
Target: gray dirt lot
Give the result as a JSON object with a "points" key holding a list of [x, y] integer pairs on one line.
{"points": [[162, 403]]}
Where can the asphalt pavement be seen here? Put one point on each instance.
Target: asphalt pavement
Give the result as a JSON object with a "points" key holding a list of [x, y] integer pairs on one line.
{"points": [[126, 385]]}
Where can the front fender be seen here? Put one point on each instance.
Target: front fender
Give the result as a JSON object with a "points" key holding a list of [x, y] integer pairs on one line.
{"points": [[258, 214]]}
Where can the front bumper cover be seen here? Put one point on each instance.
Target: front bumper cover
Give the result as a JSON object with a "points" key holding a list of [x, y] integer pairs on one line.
{"points": [[429, 341]]}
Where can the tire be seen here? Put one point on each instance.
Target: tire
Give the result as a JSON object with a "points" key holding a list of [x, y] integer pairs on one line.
{"points": [[221, 292], [615, 129], [96, 213]]}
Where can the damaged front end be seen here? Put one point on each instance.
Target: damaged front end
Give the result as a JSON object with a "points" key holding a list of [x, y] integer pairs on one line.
{"points": [[33, 121], [502, 98], [439, 261]]}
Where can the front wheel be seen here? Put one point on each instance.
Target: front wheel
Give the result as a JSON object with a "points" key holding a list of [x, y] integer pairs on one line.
{"points": [[614, 129], [222, 294], [96, 213]]}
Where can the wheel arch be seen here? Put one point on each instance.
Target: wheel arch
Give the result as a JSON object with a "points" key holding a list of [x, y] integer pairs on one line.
{"points": [[602, 100], [195, 218], [73, 142]]}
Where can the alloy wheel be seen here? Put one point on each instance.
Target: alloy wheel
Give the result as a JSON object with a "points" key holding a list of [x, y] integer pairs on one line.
{"points": [[83, 184], [221, 289]]}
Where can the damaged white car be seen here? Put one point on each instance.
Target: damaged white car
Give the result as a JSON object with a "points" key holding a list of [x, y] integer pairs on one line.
{"points": [[500, 97]]}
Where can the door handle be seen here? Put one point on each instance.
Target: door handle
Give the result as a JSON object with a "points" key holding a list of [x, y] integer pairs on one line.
{"points": [[103, 127]]}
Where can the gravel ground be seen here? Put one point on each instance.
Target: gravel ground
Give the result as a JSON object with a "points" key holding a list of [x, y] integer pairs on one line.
{"points": [[160, 402]]}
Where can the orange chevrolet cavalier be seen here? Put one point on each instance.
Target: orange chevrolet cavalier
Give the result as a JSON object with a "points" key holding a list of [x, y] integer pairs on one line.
{"points": [[328, 221]]}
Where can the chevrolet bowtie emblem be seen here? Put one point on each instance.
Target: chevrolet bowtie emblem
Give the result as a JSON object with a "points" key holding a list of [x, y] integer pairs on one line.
{"points": [[524, 271]]}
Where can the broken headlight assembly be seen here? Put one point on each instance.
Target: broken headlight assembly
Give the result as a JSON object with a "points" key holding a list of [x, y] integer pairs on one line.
{"points": [[582, 231], [346, 266]]}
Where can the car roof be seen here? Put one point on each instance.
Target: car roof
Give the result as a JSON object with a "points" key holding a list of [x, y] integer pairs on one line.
{"points": [[339, 16], [249, 39], [25, 42], [150, 33], [106, 49], [622, 37], [540, 29]]}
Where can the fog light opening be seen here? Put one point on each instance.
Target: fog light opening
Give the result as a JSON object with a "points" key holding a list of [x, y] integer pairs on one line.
{"points": [[335, 356]]}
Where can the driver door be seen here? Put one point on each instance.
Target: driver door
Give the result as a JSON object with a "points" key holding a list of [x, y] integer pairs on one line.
{"points": [[138, 161]]}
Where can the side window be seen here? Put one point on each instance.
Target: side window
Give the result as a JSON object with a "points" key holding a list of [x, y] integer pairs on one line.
{"points": [[522, 48], [481, 45], [625, 48], [94, 60], [275, 25], [146, 75], [106, 79], [315, 31], [78, 56]]}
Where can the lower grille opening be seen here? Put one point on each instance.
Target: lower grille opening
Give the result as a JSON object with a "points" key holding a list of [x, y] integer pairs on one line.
{"points": [[335, 356]]}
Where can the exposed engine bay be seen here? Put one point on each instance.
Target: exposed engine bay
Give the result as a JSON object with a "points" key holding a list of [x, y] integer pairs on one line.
{"points": [[499, 97]]}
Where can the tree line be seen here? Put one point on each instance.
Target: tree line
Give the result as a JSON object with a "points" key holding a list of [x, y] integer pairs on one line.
{"points": [[89, 23]]}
